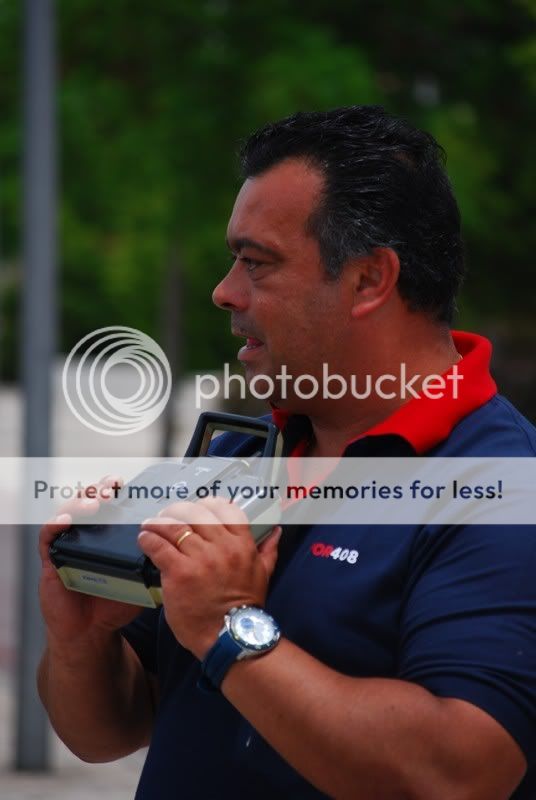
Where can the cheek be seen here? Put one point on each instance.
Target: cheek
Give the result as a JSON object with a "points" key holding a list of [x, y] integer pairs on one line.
{"points": [[259, 302]]}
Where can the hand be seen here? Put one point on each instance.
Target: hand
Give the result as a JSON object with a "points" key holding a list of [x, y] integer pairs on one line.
{"points": [[69, 614], [217, 567]]}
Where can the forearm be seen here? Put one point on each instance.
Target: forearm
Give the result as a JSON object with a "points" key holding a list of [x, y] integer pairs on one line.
{"points": [[355, 738], [97, 696]]}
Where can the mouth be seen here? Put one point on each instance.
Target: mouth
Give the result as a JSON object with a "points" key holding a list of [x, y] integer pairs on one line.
{"points": [[251, 346], [252, 343]]}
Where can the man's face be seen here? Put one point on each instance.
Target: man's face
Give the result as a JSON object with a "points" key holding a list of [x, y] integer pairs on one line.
{"points": [[277, 292]]}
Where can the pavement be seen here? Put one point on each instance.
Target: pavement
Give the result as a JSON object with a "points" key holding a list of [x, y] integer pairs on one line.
{"points": [[68, 777]]}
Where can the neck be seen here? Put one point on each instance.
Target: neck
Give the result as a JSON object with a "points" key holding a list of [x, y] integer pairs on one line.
{"points": [[335, 422]]}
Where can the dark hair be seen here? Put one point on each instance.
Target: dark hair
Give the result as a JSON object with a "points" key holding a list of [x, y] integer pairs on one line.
{"points": [[385, 186]]}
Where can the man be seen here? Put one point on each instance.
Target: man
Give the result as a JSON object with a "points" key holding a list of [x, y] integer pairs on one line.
{"points": [[407, 672]]}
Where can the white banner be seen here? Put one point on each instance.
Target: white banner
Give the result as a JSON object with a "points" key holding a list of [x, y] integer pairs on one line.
{"points": [[348, 491]]}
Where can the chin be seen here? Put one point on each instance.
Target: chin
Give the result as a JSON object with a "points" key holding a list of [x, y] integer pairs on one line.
{"points": [[259, 388]]}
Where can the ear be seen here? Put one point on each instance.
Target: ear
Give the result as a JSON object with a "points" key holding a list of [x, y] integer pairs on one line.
{"points": [[376, 276]]}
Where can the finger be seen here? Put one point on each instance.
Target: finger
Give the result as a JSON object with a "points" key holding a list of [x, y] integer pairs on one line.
{"points": [[93, 491], [80, 505], [202, 520], [189, 543], [90, 497], [105, 489], [113, 481], [49, 531], [268, 549], [110, 486], [174, 531], [231, 515], [161, 552]]}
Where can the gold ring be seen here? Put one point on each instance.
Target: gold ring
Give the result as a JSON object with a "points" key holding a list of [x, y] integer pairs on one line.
{"points": [[182, 537]]}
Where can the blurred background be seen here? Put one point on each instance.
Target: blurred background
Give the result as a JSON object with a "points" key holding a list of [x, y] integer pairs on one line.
{"points": [[151, 102]]}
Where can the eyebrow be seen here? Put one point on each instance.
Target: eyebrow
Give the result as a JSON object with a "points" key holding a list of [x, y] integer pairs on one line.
{"points": [[239, 244]]}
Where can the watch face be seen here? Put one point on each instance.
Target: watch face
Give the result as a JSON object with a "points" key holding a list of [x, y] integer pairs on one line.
{"points": [[254, 627]]}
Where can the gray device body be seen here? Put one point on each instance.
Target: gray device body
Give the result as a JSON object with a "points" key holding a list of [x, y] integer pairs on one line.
{"points": [[104, 559]]}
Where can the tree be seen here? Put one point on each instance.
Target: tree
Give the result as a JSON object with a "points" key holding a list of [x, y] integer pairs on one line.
{"points": [[154, 98]]}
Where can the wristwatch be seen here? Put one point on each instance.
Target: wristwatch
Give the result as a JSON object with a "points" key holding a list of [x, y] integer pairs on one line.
{"points": [[247, 632]]}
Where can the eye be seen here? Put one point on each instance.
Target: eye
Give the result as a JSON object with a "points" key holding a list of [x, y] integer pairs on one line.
{"points": [[250, 263]]}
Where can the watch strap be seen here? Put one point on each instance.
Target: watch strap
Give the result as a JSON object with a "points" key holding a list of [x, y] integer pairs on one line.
{"points": [[217, 662]]}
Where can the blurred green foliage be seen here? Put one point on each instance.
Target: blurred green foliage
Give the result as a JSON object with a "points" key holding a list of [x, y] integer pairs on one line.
{"points": [[154, 97]]}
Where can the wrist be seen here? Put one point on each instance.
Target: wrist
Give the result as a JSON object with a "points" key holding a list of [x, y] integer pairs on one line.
{"points": [[76, 650], [201, 651], [248, 632]]}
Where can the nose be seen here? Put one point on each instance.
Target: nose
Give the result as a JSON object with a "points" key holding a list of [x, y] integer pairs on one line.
{"points": [[231, 293]]}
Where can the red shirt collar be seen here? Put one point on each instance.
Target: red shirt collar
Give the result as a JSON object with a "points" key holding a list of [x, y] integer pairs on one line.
{"points": [[424, 421]]}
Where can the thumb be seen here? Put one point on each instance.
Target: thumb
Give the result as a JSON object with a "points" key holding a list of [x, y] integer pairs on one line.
{"points": [[268, 549]]}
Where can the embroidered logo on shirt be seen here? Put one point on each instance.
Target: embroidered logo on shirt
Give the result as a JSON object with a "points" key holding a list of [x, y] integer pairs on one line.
{"points": [[321, 550]]}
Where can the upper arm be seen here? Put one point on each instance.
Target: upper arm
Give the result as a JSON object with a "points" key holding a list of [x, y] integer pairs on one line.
{"points": [[143, 695], [142, 636], [468, 636], [140, 640]]}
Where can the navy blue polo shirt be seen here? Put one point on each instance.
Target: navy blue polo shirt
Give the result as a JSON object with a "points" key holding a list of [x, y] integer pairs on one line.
{"points": [[450, 608]]}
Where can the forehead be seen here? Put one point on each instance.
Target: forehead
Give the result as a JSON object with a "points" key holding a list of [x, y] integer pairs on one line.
{"points": [[277, 204]]}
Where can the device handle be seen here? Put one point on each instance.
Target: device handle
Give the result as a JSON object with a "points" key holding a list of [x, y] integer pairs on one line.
{"points": [[210, 421]]}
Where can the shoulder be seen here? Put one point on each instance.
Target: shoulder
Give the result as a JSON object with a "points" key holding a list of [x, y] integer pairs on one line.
{"points": [[496, 428]]}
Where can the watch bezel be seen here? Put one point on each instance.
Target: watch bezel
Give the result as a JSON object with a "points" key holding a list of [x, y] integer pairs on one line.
{"points": [[248, 647]]}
